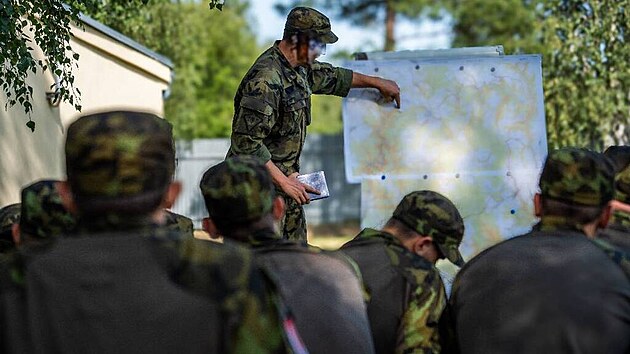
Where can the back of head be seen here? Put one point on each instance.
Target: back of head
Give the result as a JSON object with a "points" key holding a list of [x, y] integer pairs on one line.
{"points": [[306, 20], [43, 214], [119, 162], [577, 176], [9, 215], [619, 155], [237, 191], [431, 214]]}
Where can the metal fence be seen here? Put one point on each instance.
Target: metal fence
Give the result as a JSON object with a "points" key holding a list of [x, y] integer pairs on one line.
{"points": [[321, 152]]}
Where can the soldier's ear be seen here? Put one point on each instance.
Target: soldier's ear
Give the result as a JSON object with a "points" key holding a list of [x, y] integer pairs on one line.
{"points": [[537, 205], [172, 192], [605, 217], [208, 226], [15, 232], [278, 208], [67, 199]]}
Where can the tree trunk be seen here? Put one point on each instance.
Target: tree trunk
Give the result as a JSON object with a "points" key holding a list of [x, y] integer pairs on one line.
{"points": [[390, 21]]}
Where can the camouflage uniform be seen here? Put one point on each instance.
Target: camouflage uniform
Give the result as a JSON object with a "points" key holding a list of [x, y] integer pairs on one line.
{"points": [[179, 223], [321, 289], [120, 284], [406, 290], [43, 215], [9, 215], [551, 290], [272, 107]]}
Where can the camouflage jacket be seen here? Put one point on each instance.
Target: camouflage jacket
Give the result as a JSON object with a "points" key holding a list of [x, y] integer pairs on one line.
{"points": [[618, 231], [272, 107], [225, 274], [407, 296]]}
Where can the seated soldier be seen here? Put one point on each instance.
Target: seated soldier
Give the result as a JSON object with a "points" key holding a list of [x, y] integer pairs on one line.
{"points": [[407, 296], [9, 216], [321, 289], [43, 216], [117, 285], [615, 238], [551, 290], [618, 230]]}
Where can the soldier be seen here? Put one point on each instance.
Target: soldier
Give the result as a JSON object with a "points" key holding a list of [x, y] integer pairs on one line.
{"points": [[9, 215], [407, 296], [618, 230], [321, 288], [117, 285], [551, 290], [43, 216], [272, 106]]}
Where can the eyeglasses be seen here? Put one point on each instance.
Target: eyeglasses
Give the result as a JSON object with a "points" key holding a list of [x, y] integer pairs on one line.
{"points": [[317, 47]]}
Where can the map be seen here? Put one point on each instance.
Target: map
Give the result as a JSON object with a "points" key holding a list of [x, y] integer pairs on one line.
{"points": [[471, 128]]}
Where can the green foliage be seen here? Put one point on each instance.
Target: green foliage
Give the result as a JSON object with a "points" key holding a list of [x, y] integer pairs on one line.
{"points": [[511, 23], [326, 114], [586, 70], [585, 59]]}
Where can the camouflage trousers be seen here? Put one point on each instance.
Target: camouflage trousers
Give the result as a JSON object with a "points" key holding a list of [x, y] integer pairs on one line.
{"points": [[293, 224]]}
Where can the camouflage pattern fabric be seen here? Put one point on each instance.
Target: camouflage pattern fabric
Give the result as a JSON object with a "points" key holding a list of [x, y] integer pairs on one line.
{"points": [[43, 214], [272, 109], [117, 160], [293, 224], [577, 176], [432, 214], [309, 21], [402, 286], [617, 255], [179, 224], [238, 190], [9, 215]]}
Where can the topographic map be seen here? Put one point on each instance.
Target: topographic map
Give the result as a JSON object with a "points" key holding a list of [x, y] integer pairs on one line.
{"points": [[470, 128]]}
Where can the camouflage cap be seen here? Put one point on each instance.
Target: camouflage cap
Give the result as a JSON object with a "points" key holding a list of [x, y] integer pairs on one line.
{"points": [[620, 156], [432, 214], [179, 224], [577, 176], [118, 160], [43, 214], [310, 21], [9, 215], [237, 190]]}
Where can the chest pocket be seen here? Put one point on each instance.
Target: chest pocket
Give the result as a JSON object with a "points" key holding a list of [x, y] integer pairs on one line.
{"points": [[295, 112]]}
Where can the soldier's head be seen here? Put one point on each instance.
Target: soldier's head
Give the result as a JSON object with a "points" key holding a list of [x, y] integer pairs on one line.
{"points": [[9, 216], [309, 31], [428, 224], [43, 215], [240, 198], [120, 166], [576, 186]]}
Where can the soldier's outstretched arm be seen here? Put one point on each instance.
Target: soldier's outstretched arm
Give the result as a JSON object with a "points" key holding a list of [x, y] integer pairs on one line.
{"points": [[388, 88]]}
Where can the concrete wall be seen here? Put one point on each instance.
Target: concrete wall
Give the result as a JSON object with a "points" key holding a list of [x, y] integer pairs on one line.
{"points": [[320, 152]]}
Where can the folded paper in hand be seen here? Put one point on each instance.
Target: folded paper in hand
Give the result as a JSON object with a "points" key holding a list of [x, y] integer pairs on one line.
{"points": [[316, 180]]}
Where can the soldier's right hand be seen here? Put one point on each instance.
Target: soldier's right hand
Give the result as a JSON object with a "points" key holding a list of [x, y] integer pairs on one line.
{"points": [[297, 190]]}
